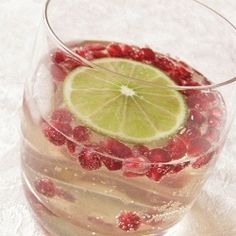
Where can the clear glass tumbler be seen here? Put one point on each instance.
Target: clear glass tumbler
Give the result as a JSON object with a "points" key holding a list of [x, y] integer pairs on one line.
{"points": [[126, 109]]}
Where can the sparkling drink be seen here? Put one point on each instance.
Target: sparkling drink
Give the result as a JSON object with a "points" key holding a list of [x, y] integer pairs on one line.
{"points": [[117, 143]]}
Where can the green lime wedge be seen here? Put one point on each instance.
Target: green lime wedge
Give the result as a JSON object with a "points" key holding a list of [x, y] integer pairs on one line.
{"points": [[127, 109]]}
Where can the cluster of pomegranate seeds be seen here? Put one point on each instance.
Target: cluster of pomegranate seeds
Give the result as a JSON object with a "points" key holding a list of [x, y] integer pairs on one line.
{"points": [[45, 187], [191, 140], [129, 221]]}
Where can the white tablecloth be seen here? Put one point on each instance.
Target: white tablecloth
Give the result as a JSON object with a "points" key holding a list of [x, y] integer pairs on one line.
{"points": [[214, 213]]}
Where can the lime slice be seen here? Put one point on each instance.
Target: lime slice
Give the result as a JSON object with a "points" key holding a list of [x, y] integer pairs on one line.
{"points": [[127, 109]]}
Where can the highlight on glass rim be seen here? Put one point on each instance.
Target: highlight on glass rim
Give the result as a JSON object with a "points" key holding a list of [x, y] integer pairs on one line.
{"points": [[125, 114]]}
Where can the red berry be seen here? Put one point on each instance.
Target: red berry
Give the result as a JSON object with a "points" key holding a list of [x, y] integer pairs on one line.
{"points": [[147, 54], [140, 150], [94, 47], [159, 155], [70, 64], [57, 73], [179, 167], [111, 163], [198, 146], [81, 133], [197, 101], [195, 117], [90, 160], [59, 57], [127, 50], [53, 135], [157, 172], [46, 187], [117, 148], [164, 64], [134, 166], [176, 148], [189, 92], [129, 221], [114, 50], [71, 146], [202, 161], [136, 55], [61, 116]]}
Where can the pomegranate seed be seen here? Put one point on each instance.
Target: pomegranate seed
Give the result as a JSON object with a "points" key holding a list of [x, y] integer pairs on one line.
{"points": [[61, 116], [63, 128], [81, 133], [140, 149], [157, 172], [189, 133], [195, 117], [212, 134], [159, 155], [57, 73], [201, 161], [59, 57], [189, 92], [147, 54], [117, 148], [111, 163], [71, 146], [90, 160], [99, 54], [214, 122], [176, 148], [46, 187], [136, 55], [197, 101], [164, 64], [210, 96], [216, 112], [179, 167], [114, 50], [191, 83], [180, 74], [53, 135], [94, 47], [198, 146], [129, 221], [127, 50], [70, 64], [134, 166]]}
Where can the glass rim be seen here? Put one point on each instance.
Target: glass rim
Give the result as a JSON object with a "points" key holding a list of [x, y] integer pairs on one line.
{"points": [[65, 48]]}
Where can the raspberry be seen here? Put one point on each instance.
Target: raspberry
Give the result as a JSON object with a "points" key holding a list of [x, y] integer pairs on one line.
{"points": [[53, 135], [61, 116], [117, 148], [157, 172], [81, 133], [114, 50], [147, 54], [46, 187], [90, 160], [176, 148], [198, 146], [159, 155], [129, 221], [134, 166], [140, 149]]}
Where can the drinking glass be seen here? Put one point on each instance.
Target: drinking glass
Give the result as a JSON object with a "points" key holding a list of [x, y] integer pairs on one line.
{"points": [[126, 109]]}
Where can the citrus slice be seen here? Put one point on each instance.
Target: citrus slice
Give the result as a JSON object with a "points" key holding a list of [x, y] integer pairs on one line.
{"points": [[127, 109]]}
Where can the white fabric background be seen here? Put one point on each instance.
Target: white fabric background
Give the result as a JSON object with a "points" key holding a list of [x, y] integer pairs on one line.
{"points": [[214, 213]]}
